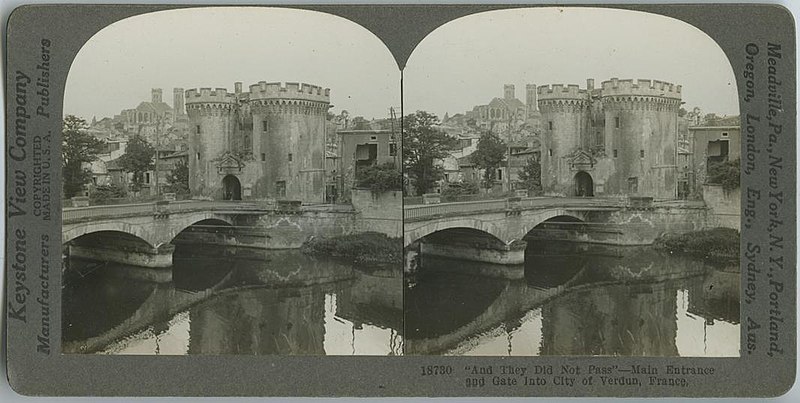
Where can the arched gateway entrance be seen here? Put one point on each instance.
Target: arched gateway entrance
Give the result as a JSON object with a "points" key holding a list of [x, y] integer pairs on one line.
{"points": [[231, 188], [584, 185]]}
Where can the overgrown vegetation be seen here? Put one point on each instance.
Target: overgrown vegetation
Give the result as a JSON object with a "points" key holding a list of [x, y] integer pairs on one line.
{"points": [[178, 180], [724, 173], [713, 244], [138, 159], [423, 145], [101, 194], [454, 190], [363, 248], [530, 176], [78, 149], [380, 178], [488, 156]]}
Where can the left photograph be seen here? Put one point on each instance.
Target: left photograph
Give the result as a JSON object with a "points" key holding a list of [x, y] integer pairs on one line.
{"points": [[232, 185]]}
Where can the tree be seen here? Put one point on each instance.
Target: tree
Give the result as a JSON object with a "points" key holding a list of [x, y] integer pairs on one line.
{"points": [[725, 173], [423, 146], [178, 180], [138, 159], [531, 176], [488, 155], [101, 194], [380, 178], [454, 190], [78, 148], [359, 123]]}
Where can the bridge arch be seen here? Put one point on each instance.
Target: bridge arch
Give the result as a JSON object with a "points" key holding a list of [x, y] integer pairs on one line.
{"points": [[508, 228], [154, 234], [439, 225]]}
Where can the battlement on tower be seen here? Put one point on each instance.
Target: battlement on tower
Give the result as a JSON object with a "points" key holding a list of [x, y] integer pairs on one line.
{"points": [[560, 91], [653, 88], [297, 91], [208, 95]]}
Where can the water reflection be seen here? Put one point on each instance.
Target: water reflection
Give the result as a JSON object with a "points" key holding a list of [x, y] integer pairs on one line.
{"points": [[576, 299], [234, 301]]}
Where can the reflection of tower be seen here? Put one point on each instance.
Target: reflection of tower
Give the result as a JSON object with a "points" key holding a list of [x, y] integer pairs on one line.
{"points": [[261, 322], [628, 320]]}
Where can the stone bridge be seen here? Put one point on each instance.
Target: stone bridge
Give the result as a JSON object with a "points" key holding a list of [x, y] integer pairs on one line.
{"points": [[145, 234], [497, 231]]}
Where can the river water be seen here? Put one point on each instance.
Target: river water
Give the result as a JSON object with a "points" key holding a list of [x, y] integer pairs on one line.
{"points": [[575, 299], [233, 301]]}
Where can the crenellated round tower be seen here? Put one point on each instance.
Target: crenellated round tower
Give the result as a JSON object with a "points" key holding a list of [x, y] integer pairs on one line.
{"points": [[564, 111], [641, 136], [211, 124], [289, 123]]}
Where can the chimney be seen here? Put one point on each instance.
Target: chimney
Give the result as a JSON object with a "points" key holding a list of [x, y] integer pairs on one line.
{"points": [[590, 84], [237, 88]]}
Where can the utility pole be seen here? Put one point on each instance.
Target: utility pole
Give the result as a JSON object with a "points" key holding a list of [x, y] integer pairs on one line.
{"points": [[155, 167], [508, 154]]}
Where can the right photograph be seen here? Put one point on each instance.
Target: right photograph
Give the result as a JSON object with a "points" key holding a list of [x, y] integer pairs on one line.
{"points": [[571, 187]]}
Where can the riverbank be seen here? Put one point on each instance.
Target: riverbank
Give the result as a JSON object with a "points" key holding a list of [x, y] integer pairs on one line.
{"points": [[362, 248], [717, 244]]}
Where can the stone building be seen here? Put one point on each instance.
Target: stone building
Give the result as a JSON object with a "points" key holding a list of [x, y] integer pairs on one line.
{"points": [[364, 148], [267, 143], [709, 145], [618, 139], [507, 114]]}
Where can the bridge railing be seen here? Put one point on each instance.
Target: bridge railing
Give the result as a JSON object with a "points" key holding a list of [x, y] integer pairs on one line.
{"points": [[79, 213], [428, 210], [432, 210]]}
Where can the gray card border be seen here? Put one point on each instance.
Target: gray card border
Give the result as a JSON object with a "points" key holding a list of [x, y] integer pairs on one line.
{"points": [[400, 27]]}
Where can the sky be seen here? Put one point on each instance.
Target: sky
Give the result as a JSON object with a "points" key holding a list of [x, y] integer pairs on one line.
{"points": [[215, 47], [467, 61]]}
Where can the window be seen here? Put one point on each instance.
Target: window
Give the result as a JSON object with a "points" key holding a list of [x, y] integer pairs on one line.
{"points": [[550, 125], [290, 157], [373, 138], [616, 122], [265, 125], [550, 152], [633, 184], [615, 153], [197, 129], [499, 174], [198, 156], [147, 177], [263, 157], [280, 188], [641, 153], [392, 149], [724, 134]]}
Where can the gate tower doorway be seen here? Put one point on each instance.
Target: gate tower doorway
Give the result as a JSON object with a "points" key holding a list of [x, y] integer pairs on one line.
{"points": [[231, 188], [584, 185]]}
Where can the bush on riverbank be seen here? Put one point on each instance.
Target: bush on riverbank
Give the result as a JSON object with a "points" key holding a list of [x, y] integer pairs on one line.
{"points": [[713, 244], [363, 248]]}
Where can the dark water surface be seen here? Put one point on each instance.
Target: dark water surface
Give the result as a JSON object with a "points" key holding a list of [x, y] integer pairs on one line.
{"points": [[575, 299], [233, 301]]}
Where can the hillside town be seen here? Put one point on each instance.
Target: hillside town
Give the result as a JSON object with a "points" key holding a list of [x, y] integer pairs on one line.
{"points": [[218, 145], [575, 142]]}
